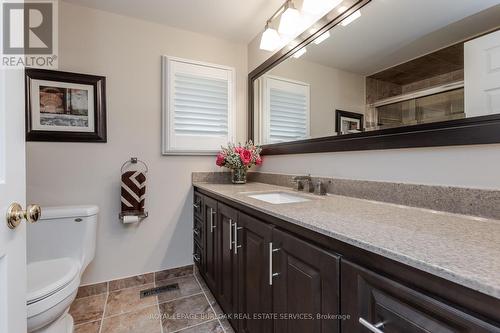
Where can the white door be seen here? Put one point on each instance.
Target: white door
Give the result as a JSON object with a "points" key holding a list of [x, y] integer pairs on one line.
{"points": [[482, 75], [12, 189]]}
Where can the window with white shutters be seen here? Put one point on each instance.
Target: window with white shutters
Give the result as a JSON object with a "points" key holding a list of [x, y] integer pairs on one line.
{"points": [[198, 106], [286, 110]]}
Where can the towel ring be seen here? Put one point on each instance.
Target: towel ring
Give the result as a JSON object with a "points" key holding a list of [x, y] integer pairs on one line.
{"points": [[134, 160]]}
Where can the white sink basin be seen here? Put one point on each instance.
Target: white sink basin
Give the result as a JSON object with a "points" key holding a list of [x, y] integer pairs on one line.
{"points": [[277, 198]]}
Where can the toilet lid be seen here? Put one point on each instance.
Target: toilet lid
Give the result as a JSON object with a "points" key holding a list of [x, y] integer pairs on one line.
{"points": [[49, 276]]}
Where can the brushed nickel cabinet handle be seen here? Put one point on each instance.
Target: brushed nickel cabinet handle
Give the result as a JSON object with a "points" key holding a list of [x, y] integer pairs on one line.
{"points": [[212, 225], [375, 328], [271, 274], [236, 246], [230, 234]]}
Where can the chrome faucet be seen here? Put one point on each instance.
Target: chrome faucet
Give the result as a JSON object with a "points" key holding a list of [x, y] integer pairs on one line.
{"points": [[306, 184]]}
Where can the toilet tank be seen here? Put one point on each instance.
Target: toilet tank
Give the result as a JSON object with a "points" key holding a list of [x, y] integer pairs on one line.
{"points": [[65, 231]]}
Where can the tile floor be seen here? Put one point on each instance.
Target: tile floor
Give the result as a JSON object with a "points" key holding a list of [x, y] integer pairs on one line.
{"points": [[118, 308]]}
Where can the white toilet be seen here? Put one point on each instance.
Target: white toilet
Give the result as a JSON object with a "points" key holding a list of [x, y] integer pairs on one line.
{"points": [[60, 246]]}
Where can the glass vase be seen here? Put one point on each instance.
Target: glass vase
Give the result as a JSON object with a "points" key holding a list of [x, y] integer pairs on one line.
{"points": [[239, 176]]}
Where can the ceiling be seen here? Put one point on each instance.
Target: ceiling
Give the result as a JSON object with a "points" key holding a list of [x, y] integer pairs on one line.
{"points": [[233, 20], [391, 32]]}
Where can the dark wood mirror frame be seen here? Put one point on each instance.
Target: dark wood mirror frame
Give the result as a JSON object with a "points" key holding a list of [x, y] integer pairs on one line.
{"points": [[468, 131]]}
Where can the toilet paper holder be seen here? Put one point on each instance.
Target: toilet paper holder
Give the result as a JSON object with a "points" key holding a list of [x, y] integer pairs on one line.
{"points": [[140, 215]]}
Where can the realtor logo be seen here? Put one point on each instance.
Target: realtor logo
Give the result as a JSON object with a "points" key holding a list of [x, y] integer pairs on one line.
{"points": [[29, 33]]}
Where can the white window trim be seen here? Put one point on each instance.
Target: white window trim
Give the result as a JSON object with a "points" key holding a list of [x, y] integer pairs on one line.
{"points": [[265, 114], [167, 149]]}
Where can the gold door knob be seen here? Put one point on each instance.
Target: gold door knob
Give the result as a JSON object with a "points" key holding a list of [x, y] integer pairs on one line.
{"points": [[15, 214]]}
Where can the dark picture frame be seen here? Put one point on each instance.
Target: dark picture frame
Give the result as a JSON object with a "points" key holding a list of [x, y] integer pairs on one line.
{"points": [[82, 121], [341, 115]]}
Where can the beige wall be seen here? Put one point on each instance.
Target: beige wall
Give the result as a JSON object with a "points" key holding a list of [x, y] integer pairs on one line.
{"points": [[330, 89], [127, 51], [467, 166]]}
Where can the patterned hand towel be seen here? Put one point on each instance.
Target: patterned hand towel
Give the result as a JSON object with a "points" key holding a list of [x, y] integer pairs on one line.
{"points": [[133, 191]]}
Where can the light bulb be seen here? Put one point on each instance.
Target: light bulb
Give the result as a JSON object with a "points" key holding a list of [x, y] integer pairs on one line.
{"points": [[270, 40], [351, 18], [300, 53], [321, 38], [290, 22]]}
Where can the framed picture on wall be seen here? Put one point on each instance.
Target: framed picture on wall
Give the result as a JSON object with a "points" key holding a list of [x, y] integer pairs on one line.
{"points": [[65, 107], [348, 122]]}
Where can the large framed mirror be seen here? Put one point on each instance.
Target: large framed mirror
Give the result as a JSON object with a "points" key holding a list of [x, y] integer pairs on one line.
{"points": [[383, 74]]}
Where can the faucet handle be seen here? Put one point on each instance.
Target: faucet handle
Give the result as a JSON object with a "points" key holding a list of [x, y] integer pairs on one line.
{"points": [[320, 188], [298, 185]]}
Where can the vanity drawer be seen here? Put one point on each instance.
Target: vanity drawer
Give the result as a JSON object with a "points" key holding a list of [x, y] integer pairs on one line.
{"points": [[198, 205], [378, 304], [198, 231], [198, 256]]}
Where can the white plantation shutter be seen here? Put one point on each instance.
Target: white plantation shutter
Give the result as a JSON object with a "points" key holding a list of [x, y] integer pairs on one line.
{"points": [[200, 105], [198, 108], [286, 110]]}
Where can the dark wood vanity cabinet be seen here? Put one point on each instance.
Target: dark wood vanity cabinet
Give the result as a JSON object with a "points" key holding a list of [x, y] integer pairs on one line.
{"points": [[376, 301], [305, 286], [271, 280], [209, 256], [198, 205], [255, 290], [227, 256], [198, 232], [255, 271], [235, 264]]}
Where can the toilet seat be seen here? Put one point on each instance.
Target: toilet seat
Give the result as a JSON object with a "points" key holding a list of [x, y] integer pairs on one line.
{"points": [[51, 282]]}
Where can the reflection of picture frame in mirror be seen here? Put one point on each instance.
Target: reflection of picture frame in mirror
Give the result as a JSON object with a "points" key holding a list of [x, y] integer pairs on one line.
{"points": [[348, 122]]}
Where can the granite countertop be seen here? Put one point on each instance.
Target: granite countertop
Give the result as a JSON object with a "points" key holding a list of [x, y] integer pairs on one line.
{"points": [[459, 248]]}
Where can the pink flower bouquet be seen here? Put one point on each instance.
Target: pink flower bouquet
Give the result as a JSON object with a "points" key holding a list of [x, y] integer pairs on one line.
{"points": [[239, 158]]}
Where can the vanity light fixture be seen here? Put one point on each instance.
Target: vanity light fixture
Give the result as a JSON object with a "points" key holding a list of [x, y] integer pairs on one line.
{"points": [[270, 40], [319, 6], [300, 53], [342, 9], [322, 38], [354, 16], [290, 20]]}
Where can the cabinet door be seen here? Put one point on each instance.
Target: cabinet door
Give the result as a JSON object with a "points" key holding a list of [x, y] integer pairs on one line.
{"points": [[227, 292], [210, 250], [255, 291], [305, 286], [373, 300]]}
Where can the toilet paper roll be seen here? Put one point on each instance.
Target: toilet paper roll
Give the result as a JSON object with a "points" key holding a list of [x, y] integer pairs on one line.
{"points": [[130, 219]]}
